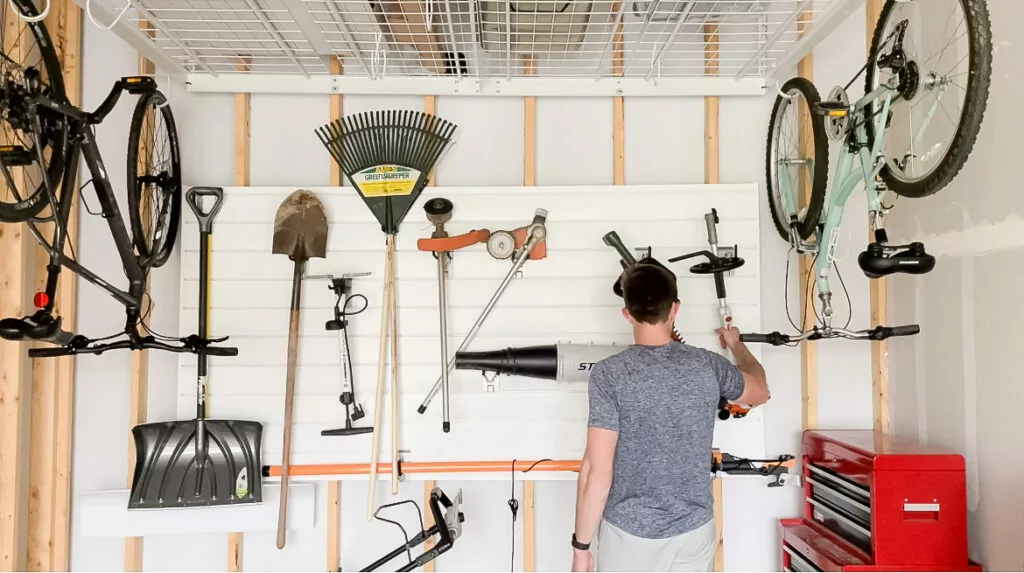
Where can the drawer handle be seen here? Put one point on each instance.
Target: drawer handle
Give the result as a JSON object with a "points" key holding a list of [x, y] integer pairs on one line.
{"points": [[845, 520], [910, 507], [799, 559]]}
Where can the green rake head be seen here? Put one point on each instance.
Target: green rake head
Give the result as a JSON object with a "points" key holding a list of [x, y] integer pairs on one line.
{"points": [[388, 156]]}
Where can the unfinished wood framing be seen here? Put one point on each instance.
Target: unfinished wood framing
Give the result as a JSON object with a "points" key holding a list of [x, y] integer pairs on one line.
{"points": [[139, 400], [808, 349], [52, 402], [334, 486], [529, 527], [243, 109], [711, 176], [428, 520], [529, 178], [879, 303]]}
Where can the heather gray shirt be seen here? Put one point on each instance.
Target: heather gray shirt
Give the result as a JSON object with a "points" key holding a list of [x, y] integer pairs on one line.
{"points": [[662, 401]]}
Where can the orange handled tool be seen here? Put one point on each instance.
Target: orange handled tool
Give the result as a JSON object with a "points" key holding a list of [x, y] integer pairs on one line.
{"points": [[446, 244]]}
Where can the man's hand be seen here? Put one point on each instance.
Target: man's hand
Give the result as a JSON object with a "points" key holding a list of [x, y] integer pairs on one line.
{"points": [[728, 337], [582, 560]]}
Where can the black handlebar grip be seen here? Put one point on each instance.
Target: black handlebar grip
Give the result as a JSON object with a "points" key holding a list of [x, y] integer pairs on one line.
{"points": [[50, 352], [908, 330], [753, 337], [612, 240], [773, 338], [220, 351]]}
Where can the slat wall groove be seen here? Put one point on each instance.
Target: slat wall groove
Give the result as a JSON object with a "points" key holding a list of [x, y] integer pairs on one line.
{"points": [[566, 297]]}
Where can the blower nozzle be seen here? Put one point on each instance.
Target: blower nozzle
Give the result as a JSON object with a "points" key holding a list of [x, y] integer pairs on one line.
{"points": [[558, 362]]}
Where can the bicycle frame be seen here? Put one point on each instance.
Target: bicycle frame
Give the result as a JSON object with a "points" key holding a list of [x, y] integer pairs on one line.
{"points": [[848, 176], [82, 141]]}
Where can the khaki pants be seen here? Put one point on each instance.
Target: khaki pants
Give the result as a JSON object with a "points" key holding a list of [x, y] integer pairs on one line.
{"points": [[690, 551]]}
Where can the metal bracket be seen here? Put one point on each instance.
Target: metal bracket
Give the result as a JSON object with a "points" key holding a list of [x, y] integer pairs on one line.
{"points": [[642, 252], [490, 384], [401, 460], [782, 480]]}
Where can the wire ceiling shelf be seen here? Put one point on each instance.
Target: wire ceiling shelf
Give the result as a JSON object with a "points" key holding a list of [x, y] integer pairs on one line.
{"points": [[259, 45]]}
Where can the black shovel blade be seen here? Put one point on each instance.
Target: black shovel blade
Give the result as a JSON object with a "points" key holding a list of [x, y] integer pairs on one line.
{"points": [[171, 472]]}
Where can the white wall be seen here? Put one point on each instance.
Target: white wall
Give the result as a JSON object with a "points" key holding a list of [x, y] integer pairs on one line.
{"points": [[664, 145], [951, 384]]}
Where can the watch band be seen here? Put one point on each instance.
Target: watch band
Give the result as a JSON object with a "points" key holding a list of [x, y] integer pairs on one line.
{"points": [[577, 545]]}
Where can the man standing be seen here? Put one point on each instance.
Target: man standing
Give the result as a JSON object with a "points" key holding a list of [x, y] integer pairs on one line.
{"points": [[644, 489]]}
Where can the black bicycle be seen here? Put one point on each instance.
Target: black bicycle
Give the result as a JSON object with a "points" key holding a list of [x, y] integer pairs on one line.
{"points": [[42, 137]]}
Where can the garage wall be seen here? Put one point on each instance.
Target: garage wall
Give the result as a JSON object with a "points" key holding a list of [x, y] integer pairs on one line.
{"points": [[574, 147], [952, 383]]}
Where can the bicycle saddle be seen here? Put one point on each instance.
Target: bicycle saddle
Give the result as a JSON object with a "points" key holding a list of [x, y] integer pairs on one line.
{"points": [[39, 326], [879, 260]]}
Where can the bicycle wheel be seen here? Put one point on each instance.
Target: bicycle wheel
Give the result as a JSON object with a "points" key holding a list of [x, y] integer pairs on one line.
{"points": [[154, 180], [28, 67], [943, 92], [796, 158]]}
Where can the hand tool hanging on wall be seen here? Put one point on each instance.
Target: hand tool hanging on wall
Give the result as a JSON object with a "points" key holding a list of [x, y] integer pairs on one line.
{"points": [[717, 264], [198, 462], [300, 231], [522, 244], [342, 288], [558, 362], [388, 157], [626, 259], [439, 211]]}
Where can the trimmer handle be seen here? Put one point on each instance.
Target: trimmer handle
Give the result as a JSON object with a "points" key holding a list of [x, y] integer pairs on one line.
{"points": [[711, 219], [205, 218], [612, 240]]}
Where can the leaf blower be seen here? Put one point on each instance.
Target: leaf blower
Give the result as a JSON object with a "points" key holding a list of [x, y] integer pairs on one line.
{"points": [[558, 362]]}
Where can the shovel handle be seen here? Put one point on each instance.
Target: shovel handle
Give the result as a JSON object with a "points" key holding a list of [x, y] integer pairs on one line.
{"points": [[205, 218]]}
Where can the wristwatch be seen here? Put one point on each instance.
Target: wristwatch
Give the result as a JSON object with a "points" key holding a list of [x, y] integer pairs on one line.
{"points": [[577, 545]]}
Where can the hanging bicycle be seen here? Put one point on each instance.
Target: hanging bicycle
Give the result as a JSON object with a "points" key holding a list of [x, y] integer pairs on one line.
{"points": [[42, 137], [927, 83]]}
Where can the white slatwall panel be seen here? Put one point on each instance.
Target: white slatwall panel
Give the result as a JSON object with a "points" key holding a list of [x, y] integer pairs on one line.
{"points": [[565, 297]]}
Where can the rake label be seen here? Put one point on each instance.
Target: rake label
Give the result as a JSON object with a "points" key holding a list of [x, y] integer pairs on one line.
{"points": [[386, 180]]}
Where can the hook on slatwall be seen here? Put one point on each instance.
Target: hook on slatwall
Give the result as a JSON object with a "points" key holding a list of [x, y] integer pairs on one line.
{"points": [[656, 64], [430, 9], [167, 93], [778, 88], [38, 18], [88, 12]]}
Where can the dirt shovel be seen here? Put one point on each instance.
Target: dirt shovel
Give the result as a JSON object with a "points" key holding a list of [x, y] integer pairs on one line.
{"points": [[300, 231]]}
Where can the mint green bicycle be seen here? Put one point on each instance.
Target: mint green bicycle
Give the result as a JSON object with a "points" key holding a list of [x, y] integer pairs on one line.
{"points": [[927, 83]]}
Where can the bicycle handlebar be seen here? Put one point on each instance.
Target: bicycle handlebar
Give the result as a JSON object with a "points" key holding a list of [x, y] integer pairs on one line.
{"points": [[187, 345], [817, 333]]}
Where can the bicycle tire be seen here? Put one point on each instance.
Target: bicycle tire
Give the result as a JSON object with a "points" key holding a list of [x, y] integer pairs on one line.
{"points": [[33, 203], [975, 100], [153, 251], [819, 180]]}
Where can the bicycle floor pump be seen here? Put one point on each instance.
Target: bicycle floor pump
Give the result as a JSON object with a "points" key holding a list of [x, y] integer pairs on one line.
{"points": [[342, 287]]}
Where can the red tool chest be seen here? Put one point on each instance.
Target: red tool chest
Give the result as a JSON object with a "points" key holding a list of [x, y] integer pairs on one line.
{"points": [[877, 504]]}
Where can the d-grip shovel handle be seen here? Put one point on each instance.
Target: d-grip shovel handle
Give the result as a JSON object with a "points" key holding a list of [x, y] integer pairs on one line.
{"points": [[205, 218]]}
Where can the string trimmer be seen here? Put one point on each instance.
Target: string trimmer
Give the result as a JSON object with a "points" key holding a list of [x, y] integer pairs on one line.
{"points": [[718, 263], [520, 245], [439, 211], [388, 157]]}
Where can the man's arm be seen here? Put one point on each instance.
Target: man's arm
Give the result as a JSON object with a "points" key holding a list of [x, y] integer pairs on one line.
{"points": [[594, 482], [755, 382]]}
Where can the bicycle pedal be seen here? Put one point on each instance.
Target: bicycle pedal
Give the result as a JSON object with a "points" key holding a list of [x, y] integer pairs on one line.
{"points": [[16, 156], [832, 109], [138, 85]]}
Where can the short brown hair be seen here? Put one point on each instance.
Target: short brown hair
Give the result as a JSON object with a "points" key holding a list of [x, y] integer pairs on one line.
{"points": [[649, 292]]}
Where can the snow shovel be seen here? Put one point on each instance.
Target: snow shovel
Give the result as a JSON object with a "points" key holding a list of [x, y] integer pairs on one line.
{"points": [[300, 231], [201, 462]]}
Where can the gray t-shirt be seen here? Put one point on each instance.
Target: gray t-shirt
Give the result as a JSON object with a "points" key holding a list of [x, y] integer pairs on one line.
{"points": [[662, 401]]}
